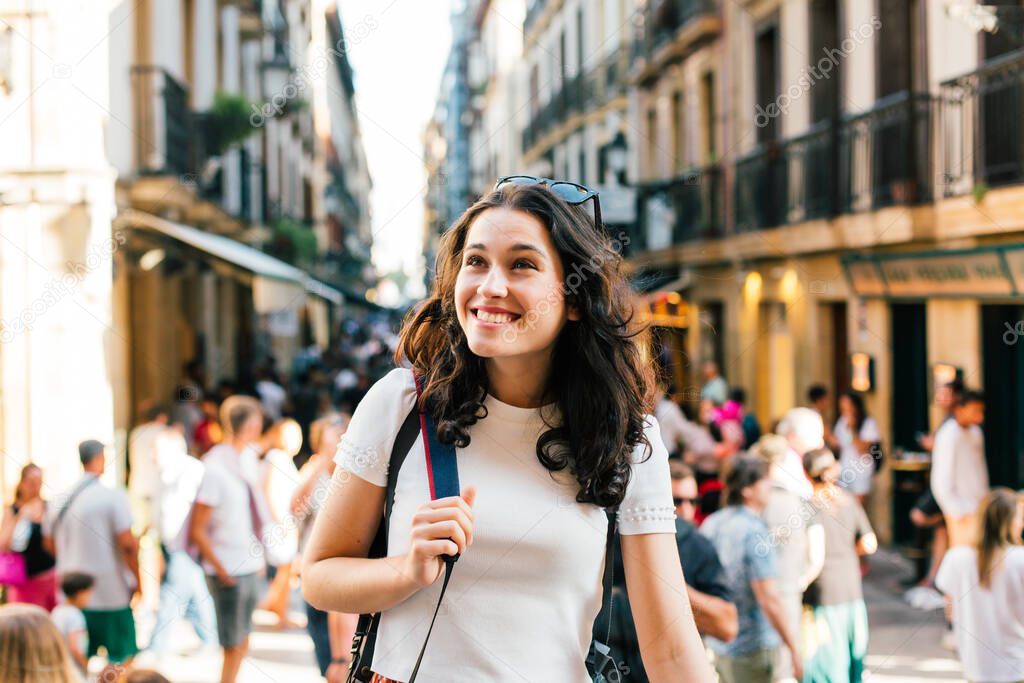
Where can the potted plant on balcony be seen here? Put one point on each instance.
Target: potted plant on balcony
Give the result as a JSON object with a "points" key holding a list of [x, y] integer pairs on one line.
{"points": [[227, 122]]}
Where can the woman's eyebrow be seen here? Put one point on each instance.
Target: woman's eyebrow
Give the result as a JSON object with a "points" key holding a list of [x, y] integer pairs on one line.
{"points": [[522, 246]]}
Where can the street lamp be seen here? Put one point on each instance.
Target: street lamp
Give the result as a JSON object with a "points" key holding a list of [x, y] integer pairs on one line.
{"points": [[616, 157]]}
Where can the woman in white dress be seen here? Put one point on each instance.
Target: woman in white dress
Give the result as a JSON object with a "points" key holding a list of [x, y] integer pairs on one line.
{"points": [[854, 435], [534, 365], [279, 478], [984, 584]]}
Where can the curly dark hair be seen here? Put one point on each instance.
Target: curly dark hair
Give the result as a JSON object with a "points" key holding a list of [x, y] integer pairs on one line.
{"points": [[602, 377]]}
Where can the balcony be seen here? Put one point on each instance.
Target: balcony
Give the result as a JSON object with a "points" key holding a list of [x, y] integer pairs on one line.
{"points": [[579, 94], [873, 160], [980, 126], [162, 123], [684, 209], [673, 29]]}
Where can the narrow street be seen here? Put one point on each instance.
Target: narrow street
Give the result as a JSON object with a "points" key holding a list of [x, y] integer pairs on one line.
{"points": [[904, 647]]}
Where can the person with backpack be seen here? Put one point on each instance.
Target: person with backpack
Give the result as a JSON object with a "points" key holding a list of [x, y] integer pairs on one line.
{"points": [[535, 388]]}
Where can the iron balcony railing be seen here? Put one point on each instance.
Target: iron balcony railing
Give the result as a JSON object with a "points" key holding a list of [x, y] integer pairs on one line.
{"points": [[686, 208], [871, 160], [662, 20], [980, 126], [162, 123]]}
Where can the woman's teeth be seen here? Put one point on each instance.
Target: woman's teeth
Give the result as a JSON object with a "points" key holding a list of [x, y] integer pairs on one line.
{"points": [[497, 318]]}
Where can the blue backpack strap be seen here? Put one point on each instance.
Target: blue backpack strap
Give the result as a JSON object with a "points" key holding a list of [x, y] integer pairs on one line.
{"points": [[443, 479]]}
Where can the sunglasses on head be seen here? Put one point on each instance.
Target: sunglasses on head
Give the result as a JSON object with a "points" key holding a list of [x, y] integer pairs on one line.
{"points": [[572, 193]]}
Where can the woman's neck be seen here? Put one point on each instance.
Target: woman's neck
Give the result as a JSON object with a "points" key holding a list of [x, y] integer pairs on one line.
{"points": [[519, 382]]}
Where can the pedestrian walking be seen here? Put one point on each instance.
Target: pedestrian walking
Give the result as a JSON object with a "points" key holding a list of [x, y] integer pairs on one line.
{"points": [[959, 478], [227, 526], [671, 421], [529, 363], [817, 400], [90, 527], [799, 541], [984, 583], [183, 589], [279, 479], [744, 545], [854, 436], [804, 431], [838, 640], [21, 539], [69, 619], [331, 632], [143, 467], [31, 648], [715, 388]]}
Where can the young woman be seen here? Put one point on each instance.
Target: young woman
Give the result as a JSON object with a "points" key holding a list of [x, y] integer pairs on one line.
{"points": [[985, 584], [279, 479], [854, 435], [22, 532], [838, 643], [530, 358]]}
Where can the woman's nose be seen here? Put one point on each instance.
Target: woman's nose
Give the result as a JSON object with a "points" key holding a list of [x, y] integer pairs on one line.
{"points": [[495, 284]]}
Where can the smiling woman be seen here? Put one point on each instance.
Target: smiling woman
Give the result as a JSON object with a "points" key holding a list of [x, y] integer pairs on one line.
{"points": [[542, 387]]}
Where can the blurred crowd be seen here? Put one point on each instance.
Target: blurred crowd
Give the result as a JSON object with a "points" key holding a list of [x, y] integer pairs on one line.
{"points": [[224, 483]]}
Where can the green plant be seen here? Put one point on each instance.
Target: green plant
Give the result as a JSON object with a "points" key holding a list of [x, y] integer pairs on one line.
{"points": [[292, 241], [227, 121], [979, 191]]}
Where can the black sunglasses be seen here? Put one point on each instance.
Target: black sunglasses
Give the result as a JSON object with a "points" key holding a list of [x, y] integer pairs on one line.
{"points": [[572, 193], [680, 501]]}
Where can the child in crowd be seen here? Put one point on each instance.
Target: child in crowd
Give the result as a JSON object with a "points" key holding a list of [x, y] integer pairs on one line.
{"points": [[77, 589]]}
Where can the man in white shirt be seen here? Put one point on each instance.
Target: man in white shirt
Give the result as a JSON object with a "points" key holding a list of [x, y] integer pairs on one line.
{"points": [[90, 529], [227, 525], [959, 478], [804, 431], [144, 471]]}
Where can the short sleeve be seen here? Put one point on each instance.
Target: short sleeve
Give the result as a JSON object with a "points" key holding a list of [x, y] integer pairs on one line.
{"points": [[647, 507], [121, 515], [759, 555], [869, 431], [210, 490], [365, 449]]}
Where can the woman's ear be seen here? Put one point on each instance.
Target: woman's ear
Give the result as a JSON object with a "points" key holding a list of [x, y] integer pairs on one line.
{"points": [[572, 310]]}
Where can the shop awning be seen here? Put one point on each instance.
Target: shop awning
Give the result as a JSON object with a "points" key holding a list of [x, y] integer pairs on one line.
{"points": [[277, 285]]}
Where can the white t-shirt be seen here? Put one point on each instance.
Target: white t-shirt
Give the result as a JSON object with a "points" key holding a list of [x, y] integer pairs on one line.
{"points": [[68, 619], [86, 539], [959, 478], [180, 478], [856, 468], [281, 479], [522, 600], [988, 622], [272, 396], [226, 487], [672, 423]]}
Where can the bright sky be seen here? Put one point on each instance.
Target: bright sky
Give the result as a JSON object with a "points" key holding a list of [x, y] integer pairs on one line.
{"points": [[398, 51]]}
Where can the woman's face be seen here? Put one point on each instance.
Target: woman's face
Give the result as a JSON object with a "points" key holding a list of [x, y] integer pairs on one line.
{"points": [[846, 407], [509, 294], [31, 484]]}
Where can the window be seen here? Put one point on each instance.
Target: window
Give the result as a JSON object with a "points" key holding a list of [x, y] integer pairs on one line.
{"points": [[678, 133], [534, 89], [767, 80], [652, 143], [580, 33], [710, 117]]}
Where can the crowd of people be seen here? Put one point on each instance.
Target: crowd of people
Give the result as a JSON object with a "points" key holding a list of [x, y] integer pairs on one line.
{"points": [[223, 486], [785, 515]]}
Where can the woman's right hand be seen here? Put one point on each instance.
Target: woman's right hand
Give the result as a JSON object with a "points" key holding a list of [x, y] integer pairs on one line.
{"points": [[439, 527]]}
